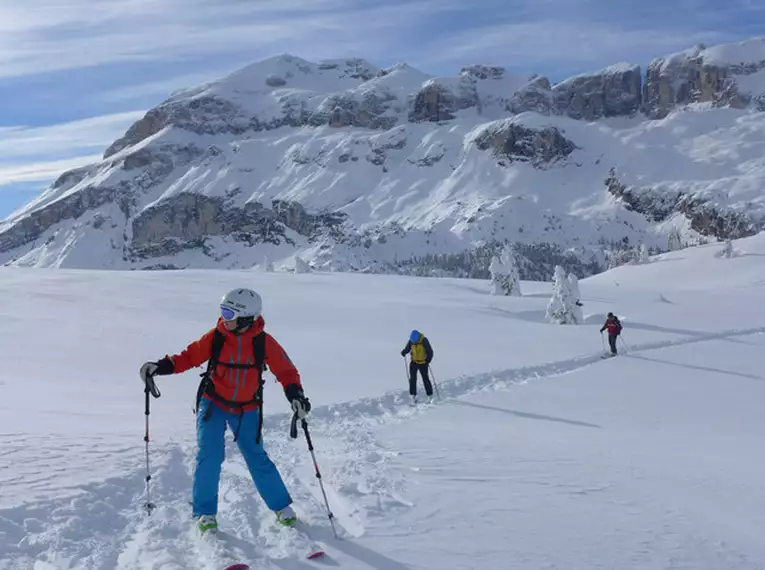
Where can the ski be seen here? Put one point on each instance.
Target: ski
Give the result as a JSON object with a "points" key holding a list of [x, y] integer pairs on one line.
{"points": [[288, 541], [214, 549], [419, 403], [217, 546], [305, 543], [242, 566]]}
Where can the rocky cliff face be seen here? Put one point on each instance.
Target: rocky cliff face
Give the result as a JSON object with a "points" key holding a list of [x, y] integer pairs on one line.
{"points": [[146, 169], [693, 76], [704, 215], [536, 97], [392, 169], [613, 92], [283, 84], [720, 75], [489, 91]]}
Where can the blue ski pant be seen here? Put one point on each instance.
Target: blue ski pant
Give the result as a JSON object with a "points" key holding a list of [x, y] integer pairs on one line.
{"points": [[211, 452]]}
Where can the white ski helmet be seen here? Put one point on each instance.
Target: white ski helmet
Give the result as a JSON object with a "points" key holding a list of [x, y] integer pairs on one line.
{"points": [[241, 304]]}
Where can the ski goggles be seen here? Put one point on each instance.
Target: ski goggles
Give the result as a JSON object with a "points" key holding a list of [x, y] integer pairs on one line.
{"points": [[227, 313]]}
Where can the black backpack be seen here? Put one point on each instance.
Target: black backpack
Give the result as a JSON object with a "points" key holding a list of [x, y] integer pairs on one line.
{"points": [[207, 387]]}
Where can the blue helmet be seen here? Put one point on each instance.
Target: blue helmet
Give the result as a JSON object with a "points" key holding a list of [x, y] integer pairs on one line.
{"points": [[415, 336]]}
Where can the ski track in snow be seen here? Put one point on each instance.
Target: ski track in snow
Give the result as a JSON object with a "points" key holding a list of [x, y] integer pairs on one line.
{"points": [[104, 526]]}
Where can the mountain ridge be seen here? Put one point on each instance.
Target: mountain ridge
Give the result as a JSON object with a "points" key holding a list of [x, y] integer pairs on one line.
{"points": [[361, 168]]}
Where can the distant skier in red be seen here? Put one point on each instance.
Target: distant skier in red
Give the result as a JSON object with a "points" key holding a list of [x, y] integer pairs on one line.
{"points": [[614, 329]]}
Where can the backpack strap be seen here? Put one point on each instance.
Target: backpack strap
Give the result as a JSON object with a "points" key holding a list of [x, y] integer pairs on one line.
{"points": [[207, 387], [206, 382], [259, 354]]}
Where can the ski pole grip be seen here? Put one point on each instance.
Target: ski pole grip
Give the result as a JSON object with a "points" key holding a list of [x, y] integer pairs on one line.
{"points": [[151, 387], [293, 426]]}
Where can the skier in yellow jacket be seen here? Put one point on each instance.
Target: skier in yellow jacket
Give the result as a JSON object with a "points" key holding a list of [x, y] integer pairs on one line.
{"points": [[422, 354]]}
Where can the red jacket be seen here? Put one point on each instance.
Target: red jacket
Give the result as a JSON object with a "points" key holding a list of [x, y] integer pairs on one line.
{"points": [[237, 385], [613, 326]]}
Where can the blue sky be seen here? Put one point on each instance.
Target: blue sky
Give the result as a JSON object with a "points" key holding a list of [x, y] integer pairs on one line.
{"points": [[74, 74]]}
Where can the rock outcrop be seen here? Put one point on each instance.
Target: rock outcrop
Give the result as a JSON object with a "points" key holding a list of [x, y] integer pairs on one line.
{"points": [[613, 92], [511, 142], [706, 217], [705, 75]]}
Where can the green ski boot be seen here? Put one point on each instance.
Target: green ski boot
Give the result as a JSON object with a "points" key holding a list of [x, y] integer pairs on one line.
{"points": [[286, 516], [207, 523]]}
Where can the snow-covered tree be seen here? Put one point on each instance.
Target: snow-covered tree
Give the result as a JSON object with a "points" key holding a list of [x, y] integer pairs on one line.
{"points": [[576, 310], [504, 274], [301, 266], [643, 255], [562, 306], [727, 250], [267, 265], [619, 257], [674, 242]]}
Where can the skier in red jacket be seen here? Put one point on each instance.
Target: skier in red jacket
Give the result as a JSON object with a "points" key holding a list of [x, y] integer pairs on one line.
{"points": [[232, 399], [614, 328]]}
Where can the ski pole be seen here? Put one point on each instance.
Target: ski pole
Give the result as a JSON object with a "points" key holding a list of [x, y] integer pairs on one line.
{"points": [[627, 348], [293, 435], [602, 341], [435, 384], [407, 373], [151, 389]]}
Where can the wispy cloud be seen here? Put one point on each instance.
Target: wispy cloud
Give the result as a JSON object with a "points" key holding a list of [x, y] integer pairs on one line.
{"points": [[42, 171], [42, 153], [160, 88], [563, 38], [94, 133], [80, 33], [528, 45], [54, 35]]}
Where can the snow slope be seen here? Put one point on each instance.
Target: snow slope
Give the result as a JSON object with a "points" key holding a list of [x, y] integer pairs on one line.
{"points": [[539, 455], [741, 53]]}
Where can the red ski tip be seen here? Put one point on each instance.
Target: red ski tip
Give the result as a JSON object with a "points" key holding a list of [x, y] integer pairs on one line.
{"points": [[318, 554], [237, 567]]}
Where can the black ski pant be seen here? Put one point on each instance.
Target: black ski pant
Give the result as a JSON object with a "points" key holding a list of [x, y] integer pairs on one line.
{"points": [[612, 342], [423, 370]]}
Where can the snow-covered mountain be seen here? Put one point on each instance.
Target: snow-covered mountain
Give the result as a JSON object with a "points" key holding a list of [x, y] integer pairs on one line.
{"points": [[358, 168]]}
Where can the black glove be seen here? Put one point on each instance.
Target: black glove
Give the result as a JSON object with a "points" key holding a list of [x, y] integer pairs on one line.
{"points": [[295, 396], [162, 367], [151, 369], [403, 353]]}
